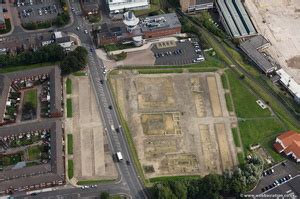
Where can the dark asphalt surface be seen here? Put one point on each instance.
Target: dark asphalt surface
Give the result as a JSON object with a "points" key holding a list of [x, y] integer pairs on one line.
{"points": [[128, 182]]}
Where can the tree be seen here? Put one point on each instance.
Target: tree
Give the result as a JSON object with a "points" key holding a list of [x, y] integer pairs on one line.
{"points": [[179, 189], [74, 61], [104, 195]]}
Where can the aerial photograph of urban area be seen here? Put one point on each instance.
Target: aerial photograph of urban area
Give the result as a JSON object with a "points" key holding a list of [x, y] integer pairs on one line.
{"points": [[149, 99]]}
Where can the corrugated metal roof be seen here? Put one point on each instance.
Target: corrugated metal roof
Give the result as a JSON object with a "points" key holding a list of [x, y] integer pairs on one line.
{"points": [[236, 18], [244, 16], [227, 17]]}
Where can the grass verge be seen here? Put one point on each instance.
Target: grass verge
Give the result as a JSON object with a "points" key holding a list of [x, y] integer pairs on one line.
{"points": [[69, 108], [90, 182], [26, 67], [69, 86], [70, 169], [79, 74], [173, 178], [8, 27], [228, 102], [236, 137], [155, 71], [70, 144], [241, 158]]}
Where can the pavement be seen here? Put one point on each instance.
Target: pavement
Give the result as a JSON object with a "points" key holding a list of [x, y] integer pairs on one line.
{"points": [[130, 183], [280, 171]]}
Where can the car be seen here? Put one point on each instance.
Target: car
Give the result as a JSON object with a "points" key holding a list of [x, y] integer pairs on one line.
{"points": [[101, 81], [267, 188], [127, 162], [264, 173], [283, 164], [117, 130], [276, 181], [110, 107], [263, 190], [92, 50], [73, 9], [86, 31]]}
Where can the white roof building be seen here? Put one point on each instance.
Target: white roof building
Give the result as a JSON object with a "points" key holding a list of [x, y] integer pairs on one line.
{"points": [[288, 82], [116, 6]]}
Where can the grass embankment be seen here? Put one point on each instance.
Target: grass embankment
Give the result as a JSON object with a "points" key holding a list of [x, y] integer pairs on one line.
{"points": [[70, 169], [30, 96], [70, 144], [173, 178], [69, 108], [26, 67], [69, 86]]}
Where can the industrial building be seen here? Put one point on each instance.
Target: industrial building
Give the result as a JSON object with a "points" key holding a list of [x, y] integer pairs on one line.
{"points": [[134, 30], [253, 48], [196, 5], [235, 18], [117, 6]]}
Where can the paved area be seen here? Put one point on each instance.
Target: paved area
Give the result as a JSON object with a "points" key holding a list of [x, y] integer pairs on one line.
{"points": [[174, 53], [179, 122], [279, 22], [280, 171], [37, 10], [93, 159]]}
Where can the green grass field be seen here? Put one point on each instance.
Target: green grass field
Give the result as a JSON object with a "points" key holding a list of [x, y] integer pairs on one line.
{"points": [[244, 100], [70, 144], [256, 131], [30, 96], [69, 86], [70, 169], [34, 152], [69, 108]]}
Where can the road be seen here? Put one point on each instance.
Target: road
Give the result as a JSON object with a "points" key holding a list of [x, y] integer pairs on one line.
{"points": [[129, 183]]}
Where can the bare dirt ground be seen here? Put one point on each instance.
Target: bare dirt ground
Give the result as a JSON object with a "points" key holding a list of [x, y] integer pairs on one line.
{"points": [[92, 159], [279, 22], [179, 122]]}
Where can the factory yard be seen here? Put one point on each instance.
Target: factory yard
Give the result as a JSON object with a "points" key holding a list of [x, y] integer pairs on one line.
{"points": [[92, 159], [279, 22], [179, 122]]}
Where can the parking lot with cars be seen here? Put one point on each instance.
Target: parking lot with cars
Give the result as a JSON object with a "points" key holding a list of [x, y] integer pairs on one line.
{"points": [[276, 176], [37, 10], [185, 51]]}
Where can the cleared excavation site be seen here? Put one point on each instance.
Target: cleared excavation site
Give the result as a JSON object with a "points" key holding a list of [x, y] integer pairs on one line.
{"points": [[179, 122], [279, 22]]}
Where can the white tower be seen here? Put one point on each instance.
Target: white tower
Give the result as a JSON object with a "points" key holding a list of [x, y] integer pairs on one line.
{"points": [[130, 20]]}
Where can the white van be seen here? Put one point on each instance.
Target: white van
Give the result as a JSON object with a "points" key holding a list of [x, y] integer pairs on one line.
{"points": [[119, 156]]}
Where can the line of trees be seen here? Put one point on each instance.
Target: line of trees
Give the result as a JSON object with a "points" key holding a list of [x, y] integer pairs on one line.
{"points": [[49, 53], [69, 62], [212, 186]]}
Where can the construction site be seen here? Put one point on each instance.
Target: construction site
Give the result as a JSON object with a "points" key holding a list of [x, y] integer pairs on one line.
{"points": [[279, 22], [179, 122]]}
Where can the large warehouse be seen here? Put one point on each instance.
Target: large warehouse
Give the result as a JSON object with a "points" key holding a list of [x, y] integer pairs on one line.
{"points": [[235, 18]]}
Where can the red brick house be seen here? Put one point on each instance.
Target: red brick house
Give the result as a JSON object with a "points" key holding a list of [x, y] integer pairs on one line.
{"points": [[289, 144]]}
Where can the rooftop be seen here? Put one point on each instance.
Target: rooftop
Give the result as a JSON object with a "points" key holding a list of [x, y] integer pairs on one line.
{"points": [[291, 142], [289, 83], [2, 20], [163, 21], [126, 4], [251, 48], [53, 171], [236, 18], [55, 86]]}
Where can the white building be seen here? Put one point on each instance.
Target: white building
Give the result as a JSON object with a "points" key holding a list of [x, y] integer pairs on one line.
{"points": [[290, 84], [117, 6]]}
